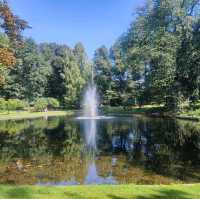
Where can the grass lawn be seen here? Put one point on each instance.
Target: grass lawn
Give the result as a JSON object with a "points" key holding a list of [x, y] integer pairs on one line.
{"points": [[134, 110], [13, 115], [191, 114], [102, 192], [157, 110]]}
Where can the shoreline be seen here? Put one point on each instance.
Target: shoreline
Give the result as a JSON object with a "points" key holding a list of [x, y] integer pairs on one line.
{"points": [[14, 115], [20, 115], [150, 112]]}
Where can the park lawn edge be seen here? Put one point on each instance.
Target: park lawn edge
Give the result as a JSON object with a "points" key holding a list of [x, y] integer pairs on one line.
{"points": [[155, 111], [129, 191], [31, 115]]}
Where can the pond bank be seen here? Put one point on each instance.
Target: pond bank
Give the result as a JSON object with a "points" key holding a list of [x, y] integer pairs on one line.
{"points": [[14, 115], [155, 111], [101, 191]]}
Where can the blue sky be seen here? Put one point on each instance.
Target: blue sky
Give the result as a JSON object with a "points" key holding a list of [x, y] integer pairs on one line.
{"points": [[93, 22]]}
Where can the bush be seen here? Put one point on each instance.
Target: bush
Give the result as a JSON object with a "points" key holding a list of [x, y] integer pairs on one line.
{"points": [[53, 103], [43, 103], [12, 104], [3, 104], [15, 104]]}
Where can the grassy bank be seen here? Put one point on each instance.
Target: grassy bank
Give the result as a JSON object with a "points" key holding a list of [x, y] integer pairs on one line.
{"points": [[153, 110], [14, 115], [102, 192], [191, 115], [147, 109]]}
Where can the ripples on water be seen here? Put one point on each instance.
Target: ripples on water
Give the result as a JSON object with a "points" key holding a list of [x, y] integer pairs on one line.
{"points": [[127, 150]]}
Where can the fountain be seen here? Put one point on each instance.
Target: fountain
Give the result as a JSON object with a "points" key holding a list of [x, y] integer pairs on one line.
{"points": [[90, 114], [90, 103]]}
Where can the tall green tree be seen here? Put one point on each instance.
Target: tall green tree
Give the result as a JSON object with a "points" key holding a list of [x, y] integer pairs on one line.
{"points": [[66, 81], [102, 70], [82, 60], [156, 47], [28, 79], [12, 26]]}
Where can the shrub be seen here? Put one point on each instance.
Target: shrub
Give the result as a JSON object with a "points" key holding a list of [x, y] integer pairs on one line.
{"points": [[43, 103], [3, 104], [15, 104], [53, 103], [12, 104]]}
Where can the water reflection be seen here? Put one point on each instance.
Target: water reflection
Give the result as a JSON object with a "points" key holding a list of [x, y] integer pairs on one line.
{"points": [[90, 132], [127, 150], [93, 177]]}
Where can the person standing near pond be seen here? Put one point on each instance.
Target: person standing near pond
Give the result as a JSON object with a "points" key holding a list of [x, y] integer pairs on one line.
{"points": [[19, 165]]}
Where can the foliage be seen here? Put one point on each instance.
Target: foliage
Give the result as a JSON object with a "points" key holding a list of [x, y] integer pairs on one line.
{"points": [[12, 104], [157, 59], [11, 23], [7, 58], [47, 70], [82, 60], [42, 103], [3, 104], [66, 81], [12, 26], [15, 104], [53, 103], [102, 66]]}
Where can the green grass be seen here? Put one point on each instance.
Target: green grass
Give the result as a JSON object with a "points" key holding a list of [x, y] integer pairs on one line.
{"points": [[190, 114], [157, 110], [14, 115], [134, 110], [102, 192]]}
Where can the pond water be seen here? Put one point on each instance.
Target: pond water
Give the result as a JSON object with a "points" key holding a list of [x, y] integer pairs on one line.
{"points": [[132, 149]]}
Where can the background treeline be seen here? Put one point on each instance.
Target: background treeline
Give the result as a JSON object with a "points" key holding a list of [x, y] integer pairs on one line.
{"points": [[48, 70], [157, 60], [38, 73]]}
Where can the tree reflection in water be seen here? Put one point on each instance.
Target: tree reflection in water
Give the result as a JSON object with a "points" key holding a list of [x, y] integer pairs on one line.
{"points": [[128, 150]]}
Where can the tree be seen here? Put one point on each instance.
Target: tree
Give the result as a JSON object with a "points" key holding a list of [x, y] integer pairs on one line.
{"points": [[125, 81], [158, 47], [102, 67], [188, 59], [82, 61], [28, 79], [12, 26], [7, 59], [74, 83], [66, 81]]}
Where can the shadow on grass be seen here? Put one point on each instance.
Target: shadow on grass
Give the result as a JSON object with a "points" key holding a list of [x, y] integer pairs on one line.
{"points": [[117, 197], [162, 194], [74, 196], [18, 193], [26, 193]]}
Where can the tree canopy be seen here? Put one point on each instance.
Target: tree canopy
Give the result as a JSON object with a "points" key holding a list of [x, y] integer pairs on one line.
{"points": [[157, 60]]}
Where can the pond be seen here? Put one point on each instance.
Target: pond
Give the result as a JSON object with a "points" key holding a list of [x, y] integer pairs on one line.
{"points": [[132, 149]]}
